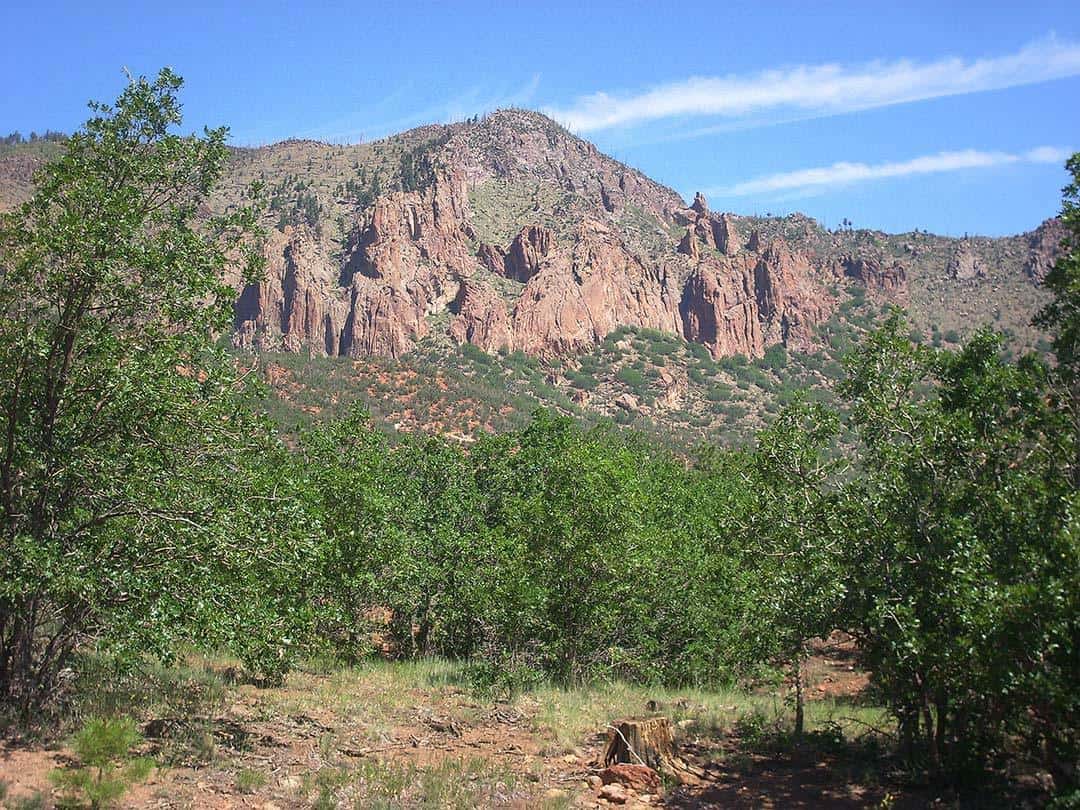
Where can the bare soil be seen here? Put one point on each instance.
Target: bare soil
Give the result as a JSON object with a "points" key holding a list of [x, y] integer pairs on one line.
{"points": [[327, 740]]}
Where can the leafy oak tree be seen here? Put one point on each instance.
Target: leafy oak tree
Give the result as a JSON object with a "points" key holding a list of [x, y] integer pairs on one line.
{"points": [[964, 566], [120, 420], [1062, 315]]}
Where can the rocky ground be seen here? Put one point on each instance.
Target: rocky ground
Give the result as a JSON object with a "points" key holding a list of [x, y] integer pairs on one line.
{"points": [[415, 735]]}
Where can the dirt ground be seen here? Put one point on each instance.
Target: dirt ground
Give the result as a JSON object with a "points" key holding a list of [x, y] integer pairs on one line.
{"points": [[376, 738]]}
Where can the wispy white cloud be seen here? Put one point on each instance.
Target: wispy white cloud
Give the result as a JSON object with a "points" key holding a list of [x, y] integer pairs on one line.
{"points": [[825, 89], [823, 178]]}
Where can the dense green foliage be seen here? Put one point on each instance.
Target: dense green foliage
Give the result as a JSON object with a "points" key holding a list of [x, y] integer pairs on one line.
{"points": [[965, 567], [124, 503], [143, 504]]}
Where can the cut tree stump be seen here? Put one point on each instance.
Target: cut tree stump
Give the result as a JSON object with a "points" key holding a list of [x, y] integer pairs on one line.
{"points": [[648, 741]]}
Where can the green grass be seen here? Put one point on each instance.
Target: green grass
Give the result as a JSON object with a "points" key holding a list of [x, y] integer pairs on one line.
{"points": [[248, 780], [566, 717]]}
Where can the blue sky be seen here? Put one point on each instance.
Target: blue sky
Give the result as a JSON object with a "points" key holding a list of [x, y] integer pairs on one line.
{"points": [[953, 117]]}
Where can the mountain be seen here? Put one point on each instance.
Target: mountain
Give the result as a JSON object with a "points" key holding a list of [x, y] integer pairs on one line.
{"points": [[584, 283]]}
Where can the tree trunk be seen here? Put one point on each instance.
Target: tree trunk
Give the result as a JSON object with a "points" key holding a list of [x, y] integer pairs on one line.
{"points": [[931, 735], [800, 711], [646, 741]]}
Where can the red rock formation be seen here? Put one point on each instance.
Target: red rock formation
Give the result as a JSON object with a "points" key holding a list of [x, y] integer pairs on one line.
{"points": [[481, 318], [712, 231], [527, 252], [640, 778], [404, 261], [689, 245], [493, 258], [791, 301], [743, 304], [575, 300], [298, 303], [719, 309], [725, 235], [873, 275], [413, 254]]}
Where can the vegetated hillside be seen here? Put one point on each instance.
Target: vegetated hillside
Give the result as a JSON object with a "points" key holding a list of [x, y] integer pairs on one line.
{"points": [[474, 270], [19, 160]]}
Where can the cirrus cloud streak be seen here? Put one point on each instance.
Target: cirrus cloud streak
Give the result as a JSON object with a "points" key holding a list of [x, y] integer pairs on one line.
{"points": [[825, 89], [823, 178]]}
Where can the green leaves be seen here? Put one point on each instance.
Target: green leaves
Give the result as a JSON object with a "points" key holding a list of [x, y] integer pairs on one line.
{"points": [[106, 767], [121, 423], [964, 485], [1062, 315]]}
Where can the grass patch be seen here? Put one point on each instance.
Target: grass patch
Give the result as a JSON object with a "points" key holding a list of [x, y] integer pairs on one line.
{"points": [[248, 780], [463, 783]]}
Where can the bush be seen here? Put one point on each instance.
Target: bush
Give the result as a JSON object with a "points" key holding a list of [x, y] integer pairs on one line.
{"points": [[700, 352], [107, 768], [775, 358], [473, 352], [631, 376], [581, 380]]}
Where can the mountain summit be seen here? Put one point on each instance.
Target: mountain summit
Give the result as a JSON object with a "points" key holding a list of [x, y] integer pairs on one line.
{"points": [[510, 233]]}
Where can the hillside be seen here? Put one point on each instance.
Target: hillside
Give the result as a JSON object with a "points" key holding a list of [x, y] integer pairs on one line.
{"points": [[582, 283]]}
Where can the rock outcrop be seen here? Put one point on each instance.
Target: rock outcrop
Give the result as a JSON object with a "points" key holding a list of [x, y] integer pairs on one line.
{"points": [[705, 231], [527, 252], [577, 297], [1044, 247], [298, 304], [480, 317], [790, 298], [517, 235], [719, 309], [874, 274], [743, 304], [725, 235], [964, 264]]}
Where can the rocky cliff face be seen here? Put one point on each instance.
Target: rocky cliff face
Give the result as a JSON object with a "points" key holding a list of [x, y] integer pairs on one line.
{"points": [[1044, 245], [872, 273], [745, 303], [582, 293], [299, 303], [573, 271], [512, 234]]}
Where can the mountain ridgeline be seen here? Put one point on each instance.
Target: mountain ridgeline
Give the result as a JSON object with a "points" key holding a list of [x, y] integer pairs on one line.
{"points": [[509, 233]]}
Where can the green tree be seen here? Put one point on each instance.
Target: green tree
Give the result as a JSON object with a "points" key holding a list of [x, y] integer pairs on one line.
{"points": [[106, 766], [120, 419], [793, 544], [963, 563], [1062, 315]]}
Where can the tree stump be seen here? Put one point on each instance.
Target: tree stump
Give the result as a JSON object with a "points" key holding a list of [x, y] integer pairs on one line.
{"points": [[647, 741]]}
